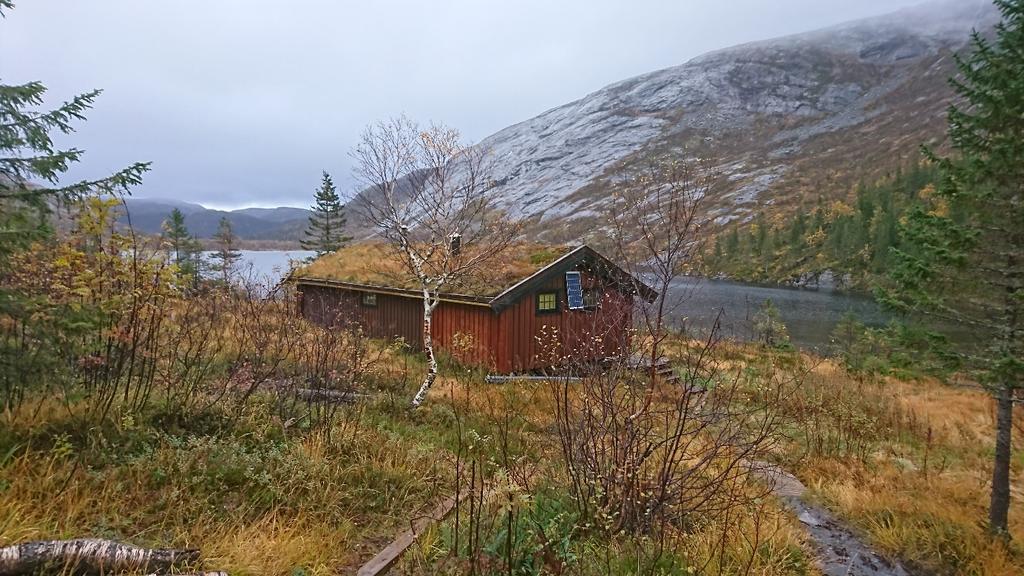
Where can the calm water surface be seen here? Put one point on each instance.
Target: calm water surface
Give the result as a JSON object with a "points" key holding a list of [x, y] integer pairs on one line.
{"points": [[266, 266], [809, 315]]}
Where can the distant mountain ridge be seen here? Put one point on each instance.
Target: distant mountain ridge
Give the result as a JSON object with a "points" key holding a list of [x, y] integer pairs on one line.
{"points": [[147, 215]]}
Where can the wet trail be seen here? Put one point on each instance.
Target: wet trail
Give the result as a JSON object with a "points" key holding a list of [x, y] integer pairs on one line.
{"points": [[839, 551]]}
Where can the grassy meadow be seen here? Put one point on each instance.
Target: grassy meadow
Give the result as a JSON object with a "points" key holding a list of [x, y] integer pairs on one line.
{"points": [[142, 407], [265, 486]]}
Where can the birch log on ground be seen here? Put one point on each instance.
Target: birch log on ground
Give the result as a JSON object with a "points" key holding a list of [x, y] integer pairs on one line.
{"points": [[217, 573], [328, 396], [89, 556]]}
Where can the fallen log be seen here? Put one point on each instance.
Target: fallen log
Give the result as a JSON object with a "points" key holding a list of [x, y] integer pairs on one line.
{"points": [[217, 573], [89, 556], [328, 396]]}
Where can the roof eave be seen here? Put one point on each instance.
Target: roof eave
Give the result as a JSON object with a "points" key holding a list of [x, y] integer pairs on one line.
{"points": [[502, 300], [510, 294], [391, 290]]}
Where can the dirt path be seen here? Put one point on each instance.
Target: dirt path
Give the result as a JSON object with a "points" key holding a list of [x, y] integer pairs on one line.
{"points": [[840, 552]]}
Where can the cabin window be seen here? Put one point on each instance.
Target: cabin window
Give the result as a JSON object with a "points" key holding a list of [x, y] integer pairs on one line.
{"points": [[369, 299], [547, 302], [574, 290], [592, 298]]}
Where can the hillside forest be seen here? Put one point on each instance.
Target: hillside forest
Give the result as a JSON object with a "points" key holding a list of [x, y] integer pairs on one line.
{"points": [[849, 242]]}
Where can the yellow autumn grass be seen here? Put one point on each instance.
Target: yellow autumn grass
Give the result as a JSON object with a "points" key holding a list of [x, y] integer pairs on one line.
{"points": [[278, 542], [775, 545], [922, 494], [762, 536], [56, 503], [935, 523], [349, 496], [333, 496]]}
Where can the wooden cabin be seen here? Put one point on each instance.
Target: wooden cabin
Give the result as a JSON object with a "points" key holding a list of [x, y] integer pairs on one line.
{"points": [[536, 308]]}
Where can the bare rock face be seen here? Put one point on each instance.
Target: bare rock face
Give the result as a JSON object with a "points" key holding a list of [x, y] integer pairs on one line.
{"points": [[785, 120], [759, 110]]}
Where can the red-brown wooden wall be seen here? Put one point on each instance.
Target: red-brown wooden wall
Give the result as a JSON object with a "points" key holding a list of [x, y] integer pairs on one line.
{"points": [[467, 332], [393, 317], [516, 339], [528, 340]]}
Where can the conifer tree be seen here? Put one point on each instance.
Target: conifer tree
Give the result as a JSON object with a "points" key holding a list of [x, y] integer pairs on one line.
{"points": [[326, 232], [797, 230], [31, 167], [962, 256], [31, 164], [184, 248], [732, 243], [768, 326], [760, 236], [227, 253]]}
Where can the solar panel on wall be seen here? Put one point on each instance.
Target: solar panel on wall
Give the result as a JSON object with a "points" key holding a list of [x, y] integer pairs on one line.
{"points": [[574, 290]]}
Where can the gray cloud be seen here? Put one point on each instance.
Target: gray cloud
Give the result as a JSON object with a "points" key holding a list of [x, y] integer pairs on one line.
{"points": [[242, 103]]}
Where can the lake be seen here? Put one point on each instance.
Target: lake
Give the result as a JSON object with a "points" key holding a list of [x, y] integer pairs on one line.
{"points": [[266, 267], [809, 315]]}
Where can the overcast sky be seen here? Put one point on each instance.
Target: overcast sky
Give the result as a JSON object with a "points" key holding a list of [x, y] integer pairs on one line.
{"points": [[243, 103]]}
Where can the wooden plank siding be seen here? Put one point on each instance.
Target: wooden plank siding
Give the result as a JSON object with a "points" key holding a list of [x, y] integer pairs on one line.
{"points": [[466, 332], [393, 317], [528, 340], [515, 339]]}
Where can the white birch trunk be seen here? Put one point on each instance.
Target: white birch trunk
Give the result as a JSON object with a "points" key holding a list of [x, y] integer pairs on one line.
{"points": [[428, 346], [90, 556]]}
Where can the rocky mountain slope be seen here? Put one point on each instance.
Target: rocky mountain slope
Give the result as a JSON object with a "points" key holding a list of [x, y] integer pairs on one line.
{"points": [[785, 120]]}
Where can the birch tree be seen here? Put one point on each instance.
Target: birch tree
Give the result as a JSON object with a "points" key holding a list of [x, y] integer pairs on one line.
{"points": [[430, 200]]}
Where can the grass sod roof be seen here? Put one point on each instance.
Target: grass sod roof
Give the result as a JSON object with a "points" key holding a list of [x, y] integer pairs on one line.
{"points": [[377, 265]]}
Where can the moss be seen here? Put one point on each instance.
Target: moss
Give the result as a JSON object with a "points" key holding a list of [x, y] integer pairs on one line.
{"points": [[375, 264], [545, 256]]}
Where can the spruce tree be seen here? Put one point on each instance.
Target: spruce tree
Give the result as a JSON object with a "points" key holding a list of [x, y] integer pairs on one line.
{"points": [[769, 327], [184, 248], [326, 232], [732, 243], [31, 168], [760, 236], [797, 231], [227, 253], [31, 164], [962, 256]]}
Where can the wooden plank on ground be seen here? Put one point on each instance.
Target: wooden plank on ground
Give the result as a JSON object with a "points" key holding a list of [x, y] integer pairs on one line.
{"points": [[380, 563]]}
